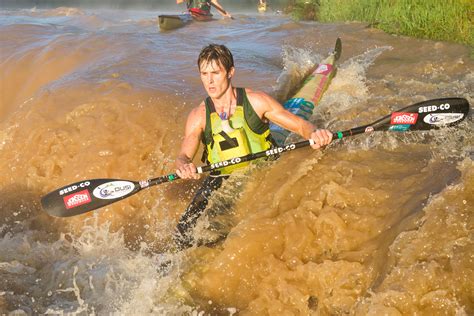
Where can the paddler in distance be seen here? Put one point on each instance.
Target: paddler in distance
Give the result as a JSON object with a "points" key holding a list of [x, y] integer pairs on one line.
{"points": [[203, 8], [262, 6], [230, 122]]}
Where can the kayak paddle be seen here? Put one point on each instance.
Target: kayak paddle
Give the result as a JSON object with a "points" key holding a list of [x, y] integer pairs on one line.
{"points": [[220, 9], [84, 196]]}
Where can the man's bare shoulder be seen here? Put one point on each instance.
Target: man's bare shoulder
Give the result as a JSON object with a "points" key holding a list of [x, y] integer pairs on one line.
{"points": [[257, 97], [261, 99], [197, 117], [198, 112], [254, 93]]}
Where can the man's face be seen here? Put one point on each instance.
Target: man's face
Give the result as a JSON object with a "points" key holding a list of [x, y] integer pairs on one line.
{"points": [[215, 78]]}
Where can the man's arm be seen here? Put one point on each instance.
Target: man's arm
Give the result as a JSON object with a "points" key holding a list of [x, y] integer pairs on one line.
{"points": [[220, 8], [268, 108], [192, 136]]}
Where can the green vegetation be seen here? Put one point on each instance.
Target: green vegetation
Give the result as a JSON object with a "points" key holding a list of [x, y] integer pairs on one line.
{"points": [[447, 20]]}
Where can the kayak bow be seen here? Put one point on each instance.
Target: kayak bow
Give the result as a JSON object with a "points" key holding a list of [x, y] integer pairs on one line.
{"points": [[304, 101]]}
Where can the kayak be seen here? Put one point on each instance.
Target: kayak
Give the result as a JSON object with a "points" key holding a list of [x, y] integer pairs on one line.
{"points": [[174, 21], [308, 96], [171, 22]]}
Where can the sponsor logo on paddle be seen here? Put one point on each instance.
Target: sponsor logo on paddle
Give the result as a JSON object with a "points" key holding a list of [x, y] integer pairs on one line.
{"points": [[442, 118], [279, 150], [76, 199], [403, 118], [113, 190], [369, 129], [433, 108], [72, 188], [226, 163]]}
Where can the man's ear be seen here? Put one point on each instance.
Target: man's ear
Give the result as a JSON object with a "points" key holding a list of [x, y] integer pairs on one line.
{"points": [[231, 72]]}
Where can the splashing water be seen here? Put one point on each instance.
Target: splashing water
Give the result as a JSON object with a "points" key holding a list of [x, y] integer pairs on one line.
{"points": [[373, 224]]}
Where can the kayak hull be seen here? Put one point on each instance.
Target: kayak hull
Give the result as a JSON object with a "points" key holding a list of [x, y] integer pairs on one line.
{"points": [[171, 22], [175, 21], [307, 98]]}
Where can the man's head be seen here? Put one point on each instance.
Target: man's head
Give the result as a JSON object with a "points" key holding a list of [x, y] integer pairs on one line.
{"points": [[216, 67], [219, 54]]}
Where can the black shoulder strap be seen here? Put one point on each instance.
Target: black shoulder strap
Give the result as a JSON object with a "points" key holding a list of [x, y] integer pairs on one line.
{"points": [[240, 96], [207, 137], [210, 105]]}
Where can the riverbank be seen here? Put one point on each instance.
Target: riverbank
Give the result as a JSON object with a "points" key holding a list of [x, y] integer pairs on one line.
{"points": [[444, 20]]}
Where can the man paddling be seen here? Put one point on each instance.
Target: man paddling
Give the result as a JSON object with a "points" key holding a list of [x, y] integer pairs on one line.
{"points": [[230, 122], [203, 8]]}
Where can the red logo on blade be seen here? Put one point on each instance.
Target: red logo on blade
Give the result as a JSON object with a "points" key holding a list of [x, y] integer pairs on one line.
{"points": [[403, 118], [77, 199]]}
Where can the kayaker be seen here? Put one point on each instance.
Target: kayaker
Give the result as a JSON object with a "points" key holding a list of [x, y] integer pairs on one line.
{"points": [[230, 122], [204, 7]]}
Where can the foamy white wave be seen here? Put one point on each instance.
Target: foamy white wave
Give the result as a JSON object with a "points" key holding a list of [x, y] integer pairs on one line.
{"points": [[297, 63], [93, 273], [349, 87]]}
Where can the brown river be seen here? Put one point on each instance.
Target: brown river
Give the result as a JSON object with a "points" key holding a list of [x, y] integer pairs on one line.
{"points": [[379, 224]]}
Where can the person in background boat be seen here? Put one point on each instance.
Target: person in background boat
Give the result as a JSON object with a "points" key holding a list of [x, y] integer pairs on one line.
{"points": [[230, 122], [204, 7]]}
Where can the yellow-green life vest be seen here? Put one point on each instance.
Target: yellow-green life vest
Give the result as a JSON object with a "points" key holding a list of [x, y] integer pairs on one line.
{"points": [[250, 134]]}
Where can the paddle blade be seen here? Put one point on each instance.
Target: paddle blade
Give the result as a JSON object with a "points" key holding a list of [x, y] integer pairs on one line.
{"points": [[426, 115], [81, 197]]}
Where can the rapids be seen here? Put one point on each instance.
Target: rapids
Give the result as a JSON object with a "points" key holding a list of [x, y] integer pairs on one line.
{"points": [[374, 224]]}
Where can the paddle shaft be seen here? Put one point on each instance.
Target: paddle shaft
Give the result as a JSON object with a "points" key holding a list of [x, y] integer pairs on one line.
{"points": [[224, 12], [424, 115], [234, 161], [267, 153]]}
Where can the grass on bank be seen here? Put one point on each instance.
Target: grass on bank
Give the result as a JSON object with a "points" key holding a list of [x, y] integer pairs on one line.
{"points": [[445, 20]]}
